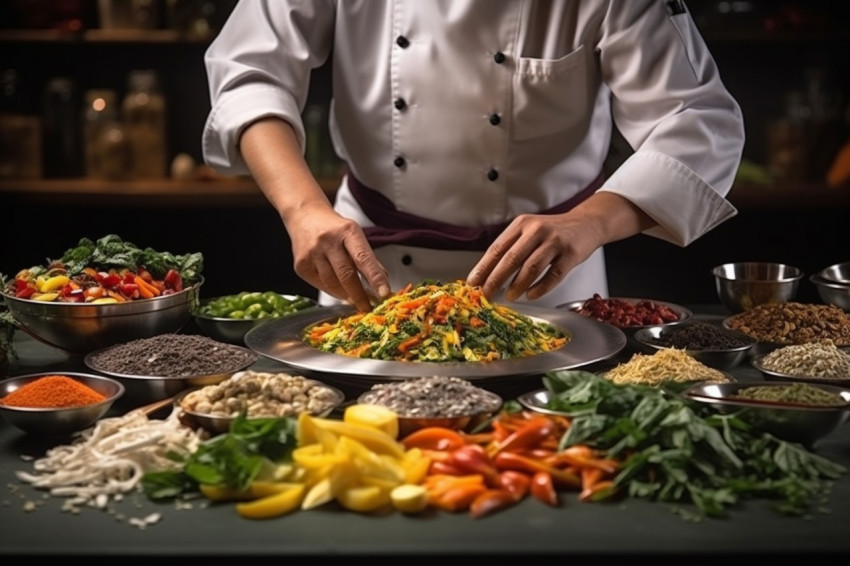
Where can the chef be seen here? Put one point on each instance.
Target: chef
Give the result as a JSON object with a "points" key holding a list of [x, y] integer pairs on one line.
{"points": [[475, 134]]}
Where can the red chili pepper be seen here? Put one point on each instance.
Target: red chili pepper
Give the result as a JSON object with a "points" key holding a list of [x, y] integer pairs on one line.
{"points": [[518, 483], [514, 461], [529, 435], [472, 459], [543, 489], [491, 501]]}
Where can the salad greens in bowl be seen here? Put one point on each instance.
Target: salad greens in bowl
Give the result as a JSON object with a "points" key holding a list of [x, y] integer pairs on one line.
{"points": [[104, 292]]}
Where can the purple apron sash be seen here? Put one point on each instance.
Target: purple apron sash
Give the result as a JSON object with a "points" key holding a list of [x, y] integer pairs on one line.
{"points": [[393, 226]]}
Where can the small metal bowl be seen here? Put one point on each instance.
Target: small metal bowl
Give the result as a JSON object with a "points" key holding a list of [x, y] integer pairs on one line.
{"points": [[60, 421], [793, 423], [837, 273], [722, 359], [837, 294], [770, 374], [219, 424], [411, 423], [143, 389], [233, 330], [743, 285]]}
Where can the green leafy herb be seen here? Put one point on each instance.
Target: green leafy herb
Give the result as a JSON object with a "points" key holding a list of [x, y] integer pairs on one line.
{"points": [[250, 450], [679, 452], [111, 251]]}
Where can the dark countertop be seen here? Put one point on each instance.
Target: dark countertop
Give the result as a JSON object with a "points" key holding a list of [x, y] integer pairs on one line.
{"points": [[531, 529]]}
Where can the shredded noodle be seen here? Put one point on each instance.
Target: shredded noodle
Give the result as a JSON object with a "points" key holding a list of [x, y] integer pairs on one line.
{"points": [[110, 458], [665, 365]]}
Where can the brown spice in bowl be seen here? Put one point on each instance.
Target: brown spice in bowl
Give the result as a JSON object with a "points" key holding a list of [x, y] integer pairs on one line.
{"points": [[793, 323]]}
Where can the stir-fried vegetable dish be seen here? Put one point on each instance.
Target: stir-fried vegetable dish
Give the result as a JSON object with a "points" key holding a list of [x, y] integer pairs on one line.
{"points": [[436, 322]]}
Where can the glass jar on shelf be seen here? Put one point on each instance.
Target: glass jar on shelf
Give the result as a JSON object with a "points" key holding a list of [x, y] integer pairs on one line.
{"points": [[107, 148], [143, 114]]}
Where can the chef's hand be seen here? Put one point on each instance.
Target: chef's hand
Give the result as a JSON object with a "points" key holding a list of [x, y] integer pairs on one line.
{"points": [[331, 252], [538, 251]]}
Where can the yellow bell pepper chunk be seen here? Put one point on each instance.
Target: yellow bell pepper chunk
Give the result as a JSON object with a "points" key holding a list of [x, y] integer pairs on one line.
{"points": [[364, 499], [415, 465], [375, 440], [315, 456], [47, 284], [319, 494], [45, 297], [275, 505], [375, 416], [255, 490], [104, 301]]}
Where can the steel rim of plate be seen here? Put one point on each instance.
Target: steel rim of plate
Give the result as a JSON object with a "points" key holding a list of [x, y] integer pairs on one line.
{"points": [[590, 341]]}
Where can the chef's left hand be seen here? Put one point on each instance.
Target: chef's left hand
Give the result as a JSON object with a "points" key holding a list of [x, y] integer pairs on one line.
{"points": [[538, 250]]}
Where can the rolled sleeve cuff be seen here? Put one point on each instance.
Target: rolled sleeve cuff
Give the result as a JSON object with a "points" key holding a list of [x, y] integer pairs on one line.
{"points": [[234, 112], [683, 204]]}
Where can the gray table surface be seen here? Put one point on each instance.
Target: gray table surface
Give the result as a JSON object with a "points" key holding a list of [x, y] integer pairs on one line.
{"points": [[531, 529]]}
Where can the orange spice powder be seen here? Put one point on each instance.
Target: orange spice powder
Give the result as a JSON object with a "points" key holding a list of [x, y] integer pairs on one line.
{"points": [[52, 391]]}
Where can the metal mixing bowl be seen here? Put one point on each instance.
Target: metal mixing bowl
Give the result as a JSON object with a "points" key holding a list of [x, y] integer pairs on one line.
{"points": [[219, 424], [80, 328], [722, 359], [837, 273], [803, 424], [837, 294], [232, 330], [59, 421], [743, 285]]}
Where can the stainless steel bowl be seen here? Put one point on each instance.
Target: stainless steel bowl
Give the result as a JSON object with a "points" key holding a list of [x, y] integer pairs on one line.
{"points": [[143, 389], [468, 422], [769, 374], [683, 312], [219, 424], [837, 294], [722, 359], [232, 330], [837, 273], [803, 424], [743, 285], [80, 328], [60, 421]]}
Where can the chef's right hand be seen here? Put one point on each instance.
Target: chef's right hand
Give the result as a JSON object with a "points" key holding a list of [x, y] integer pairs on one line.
{"points": [[331, 252]]}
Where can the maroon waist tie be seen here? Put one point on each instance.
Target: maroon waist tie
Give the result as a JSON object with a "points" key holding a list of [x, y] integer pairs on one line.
{"points": [[393, 226]]}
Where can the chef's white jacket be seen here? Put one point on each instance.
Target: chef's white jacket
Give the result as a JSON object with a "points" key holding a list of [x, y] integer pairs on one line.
{"points": [[472, 112]]}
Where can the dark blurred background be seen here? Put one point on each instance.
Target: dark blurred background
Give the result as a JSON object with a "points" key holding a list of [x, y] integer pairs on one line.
{"points": [[785, 62]]}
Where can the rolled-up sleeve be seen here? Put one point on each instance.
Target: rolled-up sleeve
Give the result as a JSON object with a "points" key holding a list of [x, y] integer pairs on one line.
{"points": [[259, 65], [670, 104]]}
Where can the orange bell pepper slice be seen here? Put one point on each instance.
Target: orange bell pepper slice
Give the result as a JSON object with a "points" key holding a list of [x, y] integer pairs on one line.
{"points": [[434, 438]]}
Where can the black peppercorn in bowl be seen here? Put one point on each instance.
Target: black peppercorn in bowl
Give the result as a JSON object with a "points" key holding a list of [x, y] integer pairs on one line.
{"points": [[710, 344], [162, 366]]}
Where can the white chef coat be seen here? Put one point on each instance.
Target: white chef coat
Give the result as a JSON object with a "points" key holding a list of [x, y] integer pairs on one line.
{"points": [[471, 112]]}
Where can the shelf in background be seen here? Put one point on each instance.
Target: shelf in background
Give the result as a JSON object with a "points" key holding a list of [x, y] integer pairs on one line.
{"points": [[154, 192], [244, 192], [100, 36]]}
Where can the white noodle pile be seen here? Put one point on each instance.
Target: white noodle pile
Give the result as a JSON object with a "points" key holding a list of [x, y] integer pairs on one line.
{"points": [[110, 458]]}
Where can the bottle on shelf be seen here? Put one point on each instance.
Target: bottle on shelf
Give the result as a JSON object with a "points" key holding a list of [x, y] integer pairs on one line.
{"points": [[107, 147], [143, 115], [20, 132], [63, 155]]}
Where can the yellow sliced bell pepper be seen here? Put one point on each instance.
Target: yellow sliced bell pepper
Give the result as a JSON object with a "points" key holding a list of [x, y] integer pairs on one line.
{"points": [[275, 505], [375, 416], [364, 499], [45, 297], [47, 284], [375, 440], [255, 490]]}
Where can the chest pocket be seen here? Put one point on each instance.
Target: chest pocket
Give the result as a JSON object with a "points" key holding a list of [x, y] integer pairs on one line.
{"points": [[550, 95]]}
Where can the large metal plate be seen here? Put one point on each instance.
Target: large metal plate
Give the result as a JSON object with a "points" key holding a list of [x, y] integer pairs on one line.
{"points": [[590, 341]]}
